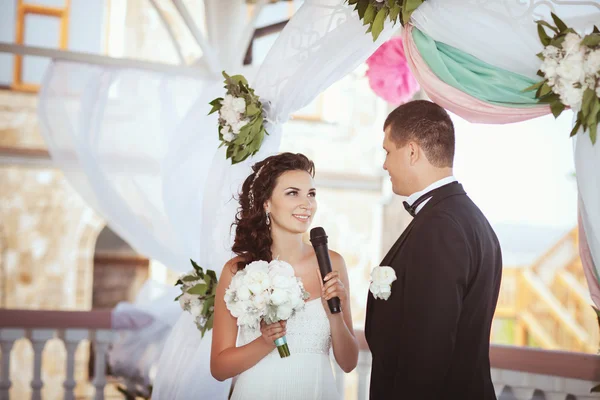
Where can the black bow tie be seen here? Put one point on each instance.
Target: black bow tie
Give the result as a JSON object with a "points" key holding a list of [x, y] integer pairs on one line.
{"points": [[412, 209]]}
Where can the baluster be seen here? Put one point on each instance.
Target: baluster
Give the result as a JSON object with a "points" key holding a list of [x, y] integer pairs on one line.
{"points": [[7, 340], [38, 338], [363, 369], [71, 339], [102, 340]]}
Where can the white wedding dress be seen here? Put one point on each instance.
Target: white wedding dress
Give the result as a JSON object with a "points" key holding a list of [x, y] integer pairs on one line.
{"points": [[305, 375]]}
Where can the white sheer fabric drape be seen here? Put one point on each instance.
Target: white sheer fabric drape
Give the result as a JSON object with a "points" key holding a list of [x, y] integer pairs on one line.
{"points": [[504, 34], [141, 150]]}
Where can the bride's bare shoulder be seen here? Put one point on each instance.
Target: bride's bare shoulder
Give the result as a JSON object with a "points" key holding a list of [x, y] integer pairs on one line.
{"points": [[231, 266]]}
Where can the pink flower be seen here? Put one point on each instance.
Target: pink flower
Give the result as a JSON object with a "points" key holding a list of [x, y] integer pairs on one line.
{"points": [[389, 74]]}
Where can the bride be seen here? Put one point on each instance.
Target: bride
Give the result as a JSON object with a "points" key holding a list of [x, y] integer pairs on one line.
{"points": [[277, 205]]}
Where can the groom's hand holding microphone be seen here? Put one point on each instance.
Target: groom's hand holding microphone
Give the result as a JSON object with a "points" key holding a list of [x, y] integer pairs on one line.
{"points": [[333, 293]]}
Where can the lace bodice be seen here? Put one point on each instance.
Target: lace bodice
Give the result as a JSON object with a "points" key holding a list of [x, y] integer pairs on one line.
{"points": [[307, 331]]}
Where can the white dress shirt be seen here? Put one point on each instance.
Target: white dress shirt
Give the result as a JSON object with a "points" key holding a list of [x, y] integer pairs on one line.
{"points": [[413, 197]]}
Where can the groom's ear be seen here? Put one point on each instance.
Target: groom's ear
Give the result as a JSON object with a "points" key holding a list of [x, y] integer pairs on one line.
{"points": [[414, 152]]}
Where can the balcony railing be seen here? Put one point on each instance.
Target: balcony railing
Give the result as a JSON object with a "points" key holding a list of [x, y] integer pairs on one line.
{"points": [[518, 372]]}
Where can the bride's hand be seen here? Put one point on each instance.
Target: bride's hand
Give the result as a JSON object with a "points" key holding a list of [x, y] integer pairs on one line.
{"points": [[272, 332], [333, 287]]}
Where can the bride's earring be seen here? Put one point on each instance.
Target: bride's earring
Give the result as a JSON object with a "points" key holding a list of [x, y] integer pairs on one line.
{"points": [[268, 219]]}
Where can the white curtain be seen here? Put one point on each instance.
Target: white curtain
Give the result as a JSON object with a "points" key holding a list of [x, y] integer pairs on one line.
{"points": [[141, 150]]}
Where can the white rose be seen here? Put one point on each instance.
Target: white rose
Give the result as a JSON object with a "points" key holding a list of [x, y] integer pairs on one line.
{"points": [[257, 266], [238, 308], [248, 319], [196, 311], [592, 62], [382, 278], [261, 300], [551, 52], [196, 302], [383, 275], [548, 67], [257, 281], [284, 312], [279, 296], [572, 43], [284, 282], [243, 293], [237, 280], [231, 117], [229, 295], [237, 126], [571, 69], [227, 101], [229, 137], [239, 105], [572, 97], [280, 268]]}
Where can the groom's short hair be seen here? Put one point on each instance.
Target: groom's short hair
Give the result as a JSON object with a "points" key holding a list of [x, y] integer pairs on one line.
{"points": [[429, 125]]}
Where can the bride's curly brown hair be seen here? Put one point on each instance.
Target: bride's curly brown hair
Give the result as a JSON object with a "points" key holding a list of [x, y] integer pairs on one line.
{"points": [[252, 234]]}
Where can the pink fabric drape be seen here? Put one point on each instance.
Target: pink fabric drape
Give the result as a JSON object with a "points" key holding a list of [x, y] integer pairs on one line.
{"points": [[458, 102]]}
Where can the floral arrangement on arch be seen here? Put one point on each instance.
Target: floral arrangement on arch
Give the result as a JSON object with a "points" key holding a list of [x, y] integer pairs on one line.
{"points": [[389, 74], [241, 119], [375, 12], [197, 296], [571, 71]]}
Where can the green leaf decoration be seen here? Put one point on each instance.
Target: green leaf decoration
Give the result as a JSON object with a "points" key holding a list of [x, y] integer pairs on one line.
{"points": [[557, 108], [394, 12], [239, 79], [544, 90], [595, 389], [544, 38], [196, 267], [378, 23], [177, 298], [593, 131], [362, 8], [547, 25], [252, 109], [190, 278], [208, 303], [369, 14], [199, 289], [596, 30], [534, 86], [591, 40], [209, 323], [410, 7], [559, 23], [576, 127], [179, 282], [212, 275], [586, 103]]}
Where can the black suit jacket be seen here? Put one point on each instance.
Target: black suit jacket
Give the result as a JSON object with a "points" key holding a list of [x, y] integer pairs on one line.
{"points": [[430, 339]]}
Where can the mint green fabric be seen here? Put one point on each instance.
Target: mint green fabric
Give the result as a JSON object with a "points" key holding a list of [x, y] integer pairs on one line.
{"points": [[473, 76]]}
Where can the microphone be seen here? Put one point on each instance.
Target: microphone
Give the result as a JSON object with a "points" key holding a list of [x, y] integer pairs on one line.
{"points": [[318, 238]]}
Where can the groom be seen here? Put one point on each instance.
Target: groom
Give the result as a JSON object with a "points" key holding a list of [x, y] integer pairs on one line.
{"points": [[430, 338]]}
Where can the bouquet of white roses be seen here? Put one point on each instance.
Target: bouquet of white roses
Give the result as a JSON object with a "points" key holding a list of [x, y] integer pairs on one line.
{"points": [[265, 291], [198, 296]]}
